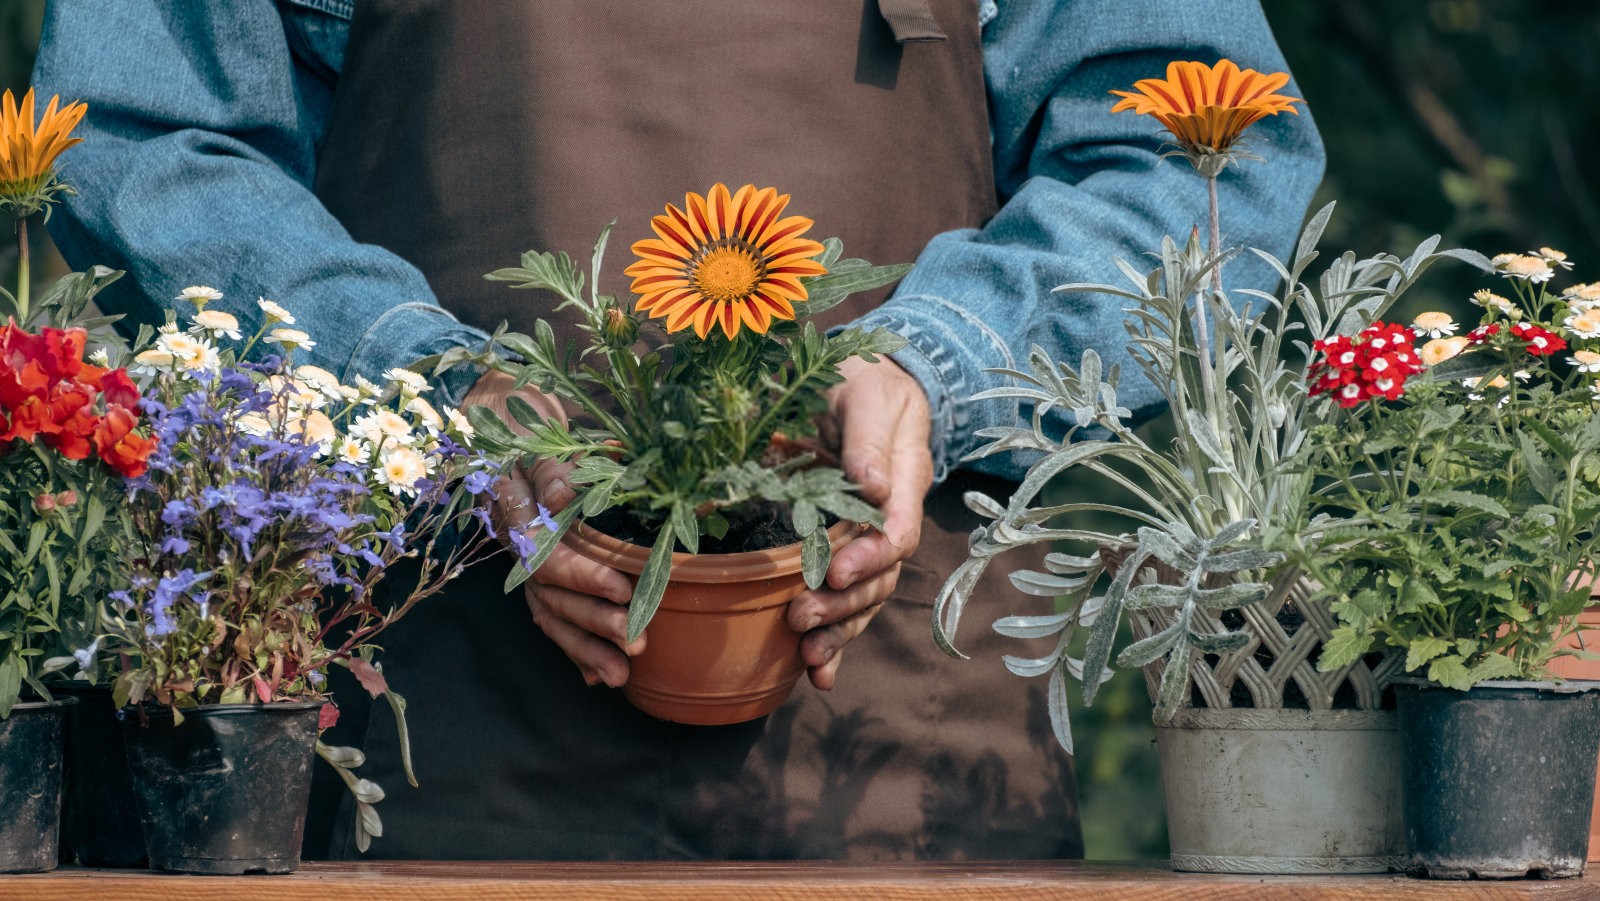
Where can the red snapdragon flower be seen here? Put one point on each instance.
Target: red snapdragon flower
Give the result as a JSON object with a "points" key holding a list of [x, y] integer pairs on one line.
{"points": [[1375, 363], [48, 392], [1539, 341]]}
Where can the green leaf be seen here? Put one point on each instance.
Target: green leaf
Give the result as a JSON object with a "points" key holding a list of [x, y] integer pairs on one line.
{"points": [[715, 525], [1424, 649], [403, 735], [1343, 648], [523, 412], [492, 430], [1494, 666], [1451, 672], [545, 541], [685, 526], [1241, 560], [1097, 653], [1539, 471], [1471, 501], [1174, 680], [824, 292], [1224, 643], [815, 555], [1148, 649], [805, 517], [652, 583], [10, 683]]}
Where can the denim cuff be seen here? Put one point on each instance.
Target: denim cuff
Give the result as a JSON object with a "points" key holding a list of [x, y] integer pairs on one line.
{"points": [[407, 333], [948, 352]]}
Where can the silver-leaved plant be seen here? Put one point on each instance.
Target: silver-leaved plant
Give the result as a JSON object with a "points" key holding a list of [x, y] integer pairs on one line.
{"points": [[1209, 505]]}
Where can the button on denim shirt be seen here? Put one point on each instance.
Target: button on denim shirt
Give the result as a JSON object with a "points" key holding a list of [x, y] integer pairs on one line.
{"points": [[205, 117]]}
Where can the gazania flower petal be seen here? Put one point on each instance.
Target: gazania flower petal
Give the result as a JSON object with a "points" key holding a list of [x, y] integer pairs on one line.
{"points": [[1207, 108]]}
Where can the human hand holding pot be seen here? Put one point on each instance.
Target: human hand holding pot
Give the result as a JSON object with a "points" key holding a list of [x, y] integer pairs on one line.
{"points": [[881, 421], [579, 604]]}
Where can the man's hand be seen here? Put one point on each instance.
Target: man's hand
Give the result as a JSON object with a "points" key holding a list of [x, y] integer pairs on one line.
{"points": [[581, 605], [883, 420]]}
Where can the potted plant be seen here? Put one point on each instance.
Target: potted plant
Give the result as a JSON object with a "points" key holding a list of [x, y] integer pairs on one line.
{"points": [[1458, 528], [695, 440], [277, 501], [69, 430], [1268, 765]]}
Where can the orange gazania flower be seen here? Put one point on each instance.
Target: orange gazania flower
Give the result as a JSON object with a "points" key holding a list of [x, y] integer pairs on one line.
{"points": [[28, 153], [1207, 107], [733, 261]]}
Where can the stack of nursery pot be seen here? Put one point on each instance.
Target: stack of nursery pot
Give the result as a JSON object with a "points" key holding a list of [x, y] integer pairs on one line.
{"points": [[1576, 667], [100, 816], [685, 439]]}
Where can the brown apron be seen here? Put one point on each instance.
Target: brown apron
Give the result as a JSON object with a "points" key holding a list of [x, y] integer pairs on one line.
{"points": [[466, 133]]}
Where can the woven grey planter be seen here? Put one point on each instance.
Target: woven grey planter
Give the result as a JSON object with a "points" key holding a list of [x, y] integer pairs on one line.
{"points": [[1264, 789]]}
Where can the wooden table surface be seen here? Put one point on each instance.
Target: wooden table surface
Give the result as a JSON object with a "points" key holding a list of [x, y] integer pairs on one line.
{"points": [[497, 881]]}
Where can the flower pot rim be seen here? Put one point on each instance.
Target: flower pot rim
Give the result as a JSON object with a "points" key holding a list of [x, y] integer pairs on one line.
{"points": [[1280, 719], [35, 706], [744, 566], [1565, 686], [226, 709]]}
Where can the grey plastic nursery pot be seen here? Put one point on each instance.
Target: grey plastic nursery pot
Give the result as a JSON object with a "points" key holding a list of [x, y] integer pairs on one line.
{"points": [[1499, 779], [225, 791], [30, 785], [99, 817], [1282, 791]]}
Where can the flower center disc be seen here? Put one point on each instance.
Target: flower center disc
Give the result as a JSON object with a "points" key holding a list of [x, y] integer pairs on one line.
{"points": [[728, 272]]}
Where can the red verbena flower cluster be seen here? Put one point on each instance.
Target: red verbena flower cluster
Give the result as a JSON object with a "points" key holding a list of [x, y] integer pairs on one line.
{"points": [[1483, 333], [1375, 363], [47, 391], [1540, 341]]}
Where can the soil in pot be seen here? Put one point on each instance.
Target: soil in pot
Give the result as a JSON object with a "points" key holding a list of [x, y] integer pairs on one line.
{"points": [[30, 785], [1484, 801], [225, 791], [719, 650], [99, 817]]}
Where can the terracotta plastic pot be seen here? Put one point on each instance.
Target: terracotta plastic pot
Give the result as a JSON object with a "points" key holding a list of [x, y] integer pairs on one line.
{"points": [[1575, 668], [720, 649]]}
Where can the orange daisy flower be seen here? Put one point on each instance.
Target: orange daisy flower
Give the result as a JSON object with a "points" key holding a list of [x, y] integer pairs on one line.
{"points": [[27, 153], [728, 260], [1207, 107]]}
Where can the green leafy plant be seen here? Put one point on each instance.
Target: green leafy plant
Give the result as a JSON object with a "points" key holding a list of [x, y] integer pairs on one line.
{"points": [[691, 436], [1456, 522]]}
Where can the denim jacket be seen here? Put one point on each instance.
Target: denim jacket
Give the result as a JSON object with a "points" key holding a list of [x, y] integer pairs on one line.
{"points": [[205, 118]]}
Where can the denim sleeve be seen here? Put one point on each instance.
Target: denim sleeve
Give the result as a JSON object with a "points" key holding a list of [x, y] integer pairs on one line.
{"points": [[1080, 187], [198, 159]]}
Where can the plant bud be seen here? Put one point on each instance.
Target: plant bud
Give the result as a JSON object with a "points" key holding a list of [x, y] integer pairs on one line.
{"points": [[620, 329], [67, 498], [45, 502]]}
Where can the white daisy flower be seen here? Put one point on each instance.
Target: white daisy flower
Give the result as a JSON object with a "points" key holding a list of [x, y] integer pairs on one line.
{"points": [[409, 382], [199, 295], [352, 451], [1594, 390], [1520, 265], [216, 324], [100, 357], [154, 360], [1522, 375], [385, 427], [400, 470], [1553, 257], [426, 415], [1584, 323], [1440, 349], [1587, 361], [460, 424], [315, 428], [291, 338], [188, 352], [369, 393], [321, 380], [255, 424], [1434, 324], [275, 314], [1582, 295]]}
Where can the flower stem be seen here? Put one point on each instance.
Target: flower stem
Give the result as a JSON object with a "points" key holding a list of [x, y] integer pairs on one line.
{"points": [[22, 270]]}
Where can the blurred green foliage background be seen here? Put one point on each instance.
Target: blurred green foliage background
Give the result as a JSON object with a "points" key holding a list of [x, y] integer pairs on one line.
{"points": [[1474, 119]]}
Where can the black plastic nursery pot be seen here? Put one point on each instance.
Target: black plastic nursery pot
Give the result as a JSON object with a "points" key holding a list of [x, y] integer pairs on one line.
{"points": [[1498, 780], [30, 785], [99, 817], [225, 791]]}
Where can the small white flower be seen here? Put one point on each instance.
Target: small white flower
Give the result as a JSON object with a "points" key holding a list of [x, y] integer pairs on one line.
{"points": [[368, 391], [1434, 324], [100, 357], [1351, 391], [254, 424], [275, 313], [1378, 364], [400, 470], [1489, 300], [1519, 265], [352, 451], [460, 424], [410, 383], [1378, 343], [1346, 358], [1587, 361], [322, 380], [216, 324], [154, 360], [199, 295], [1553, 257], [188, 352], [291, 338], [315, 428], [1584, 323], [426, 415], [1522, 375], [1383, 384], [1582, 296], [1440, 349], [1594, 390], [384, 427]]}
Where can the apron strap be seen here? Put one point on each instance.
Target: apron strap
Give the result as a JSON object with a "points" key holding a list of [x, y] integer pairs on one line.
{"points": [[911, 20]]}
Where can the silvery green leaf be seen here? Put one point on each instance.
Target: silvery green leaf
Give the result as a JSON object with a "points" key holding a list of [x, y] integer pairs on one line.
{"points": [[1205, 438], [1097, 653], [1063, 564], [815, 553], [368, 826], [1143, 597], [1045, 585], [1306, 247], [652, 583], [595, 259], [685, 527], [1150, 648], [1030, 667], [1033, 626], [1165, 548], [402, 732], [952, 600], [1240, 561], [983, 505], [349, 758], [1232, 532], [1223, 643], [1481, 503], [1056, 695], [805, 517], [1174, 682], [1230, 596]]}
